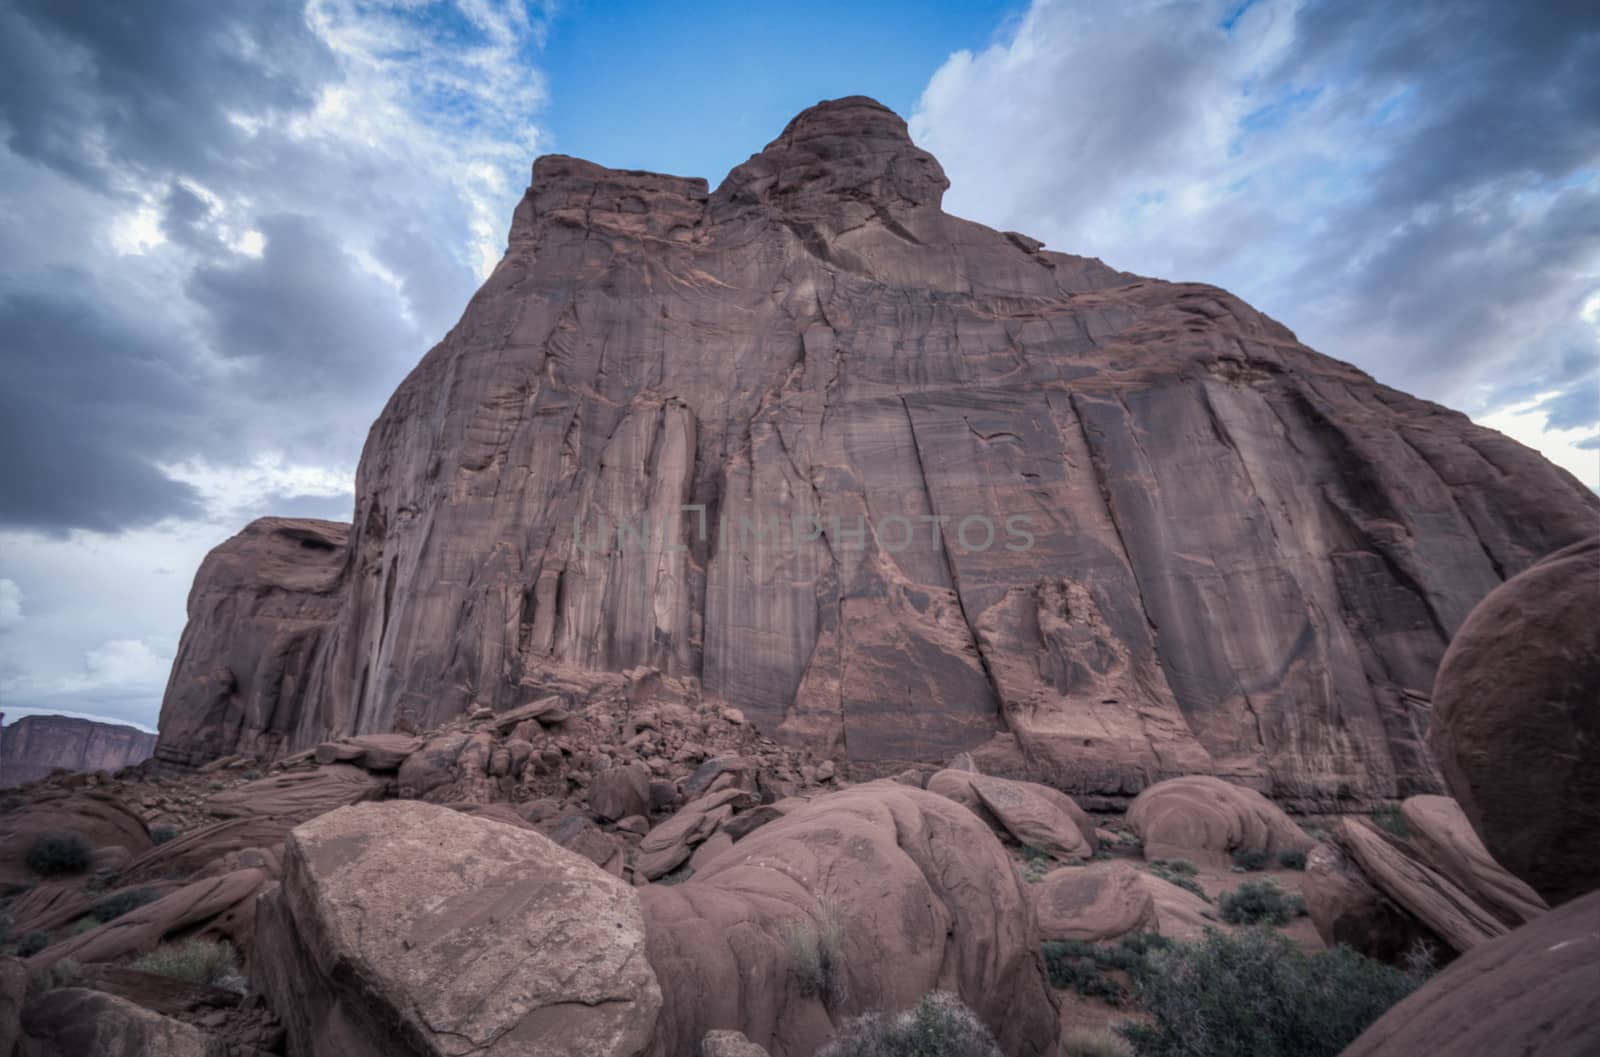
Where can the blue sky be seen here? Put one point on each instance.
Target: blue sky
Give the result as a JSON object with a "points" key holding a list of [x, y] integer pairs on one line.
{"points": [[228, 228]]}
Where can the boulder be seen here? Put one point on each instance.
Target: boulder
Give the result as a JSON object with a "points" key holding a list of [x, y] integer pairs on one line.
{"points": [[372, 752], [904, 891], [1029, 813], [431, 768], [77, 1022], [1439, 831], [1207, 820], [1180, 914], [729, 1044], [1516, 722], [669, 845], [1530, 992], [618, 792], [1439, 910], [1346, 908], [1097, 902], [298, 795], [402, 928]]}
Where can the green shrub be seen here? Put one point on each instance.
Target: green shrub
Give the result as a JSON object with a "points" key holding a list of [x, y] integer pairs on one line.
{"points": [[937, 1026], [1035, 864], [10, 804], [55, 854], [1260, 902], [1179, 872], [1292, 859], [1180, 867], [1254, 994], [82, 925], [816, 952], [115, 906], [32, 944], [63, 973], [1389, 818], [197, 961], [1082, 967], [1252, 859], [163, 834]]}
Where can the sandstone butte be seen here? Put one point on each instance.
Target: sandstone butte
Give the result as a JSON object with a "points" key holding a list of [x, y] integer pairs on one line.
{"points": [[800, 395], [34, 746]]}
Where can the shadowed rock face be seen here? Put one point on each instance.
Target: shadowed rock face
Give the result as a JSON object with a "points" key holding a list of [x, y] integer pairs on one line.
{"points": [[34, 746], [1225, 553]]}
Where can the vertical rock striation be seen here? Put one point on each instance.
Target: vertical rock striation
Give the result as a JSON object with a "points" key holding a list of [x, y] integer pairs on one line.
{"points": [[943, 485]]}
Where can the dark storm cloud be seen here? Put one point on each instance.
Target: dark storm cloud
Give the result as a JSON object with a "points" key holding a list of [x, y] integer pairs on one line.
{"points": [[190, 117], [343, 320], [87, 404], [95, 88]]}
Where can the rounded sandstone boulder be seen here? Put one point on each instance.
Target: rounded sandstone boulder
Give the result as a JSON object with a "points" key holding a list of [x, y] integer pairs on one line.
{"points": [[1207, 820], [1516, 722], [1098, 902], [407, 928]]}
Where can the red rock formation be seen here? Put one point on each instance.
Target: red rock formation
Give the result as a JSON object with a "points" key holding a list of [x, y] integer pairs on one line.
{"points": [[258, 611], [1214, 550], [34, 746]]}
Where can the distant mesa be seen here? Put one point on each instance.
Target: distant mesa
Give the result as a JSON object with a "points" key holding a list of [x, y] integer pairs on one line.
{"points": [[34, 746]]}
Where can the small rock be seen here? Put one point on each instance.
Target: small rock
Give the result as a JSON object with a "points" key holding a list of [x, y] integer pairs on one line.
{"points": [[825, 771]]}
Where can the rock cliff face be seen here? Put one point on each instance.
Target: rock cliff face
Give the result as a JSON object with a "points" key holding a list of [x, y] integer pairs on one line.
{"points": [[34, 746], [893, 484], [258, 611]]}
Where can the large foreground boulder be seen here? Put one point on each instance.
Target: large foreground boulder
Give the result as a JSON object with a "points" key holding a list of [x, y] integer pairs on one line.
{"points": [[1531, 993], [403, 929], [861, 900], [1207, 820], [1516, 722]]}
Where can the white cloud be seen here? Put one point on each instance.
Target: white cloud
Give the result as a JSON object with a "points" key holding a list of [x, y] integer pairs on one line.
{"points": [[10, 604], [1324, 161]]}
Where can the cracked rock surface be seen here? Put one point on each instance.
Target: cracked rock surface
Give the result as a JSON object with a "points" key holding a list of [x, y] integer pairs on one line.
{"points": [[945, 486]]}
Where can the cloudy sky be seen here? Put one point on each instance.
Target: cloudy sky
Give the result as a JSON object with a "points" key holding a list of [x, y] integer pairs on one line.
{"points": [[229, 227]]}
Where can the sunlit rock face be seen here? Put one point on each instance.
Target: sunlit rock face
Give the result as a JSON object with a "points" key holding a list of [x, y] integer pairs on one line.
{"points": [[898, 485]]}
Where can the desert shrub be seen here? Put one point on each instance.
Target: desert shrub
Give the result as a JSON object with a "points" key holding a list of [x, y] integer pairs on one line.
{"points": [[64, 973], [1083, 967], [1259, 902], [10, 804], [937, 1026], [1292, 859], [1252, 859], [1081, 1042], [1180, 867], [197, 961], [1035, 864], [115, 906], [1389, 818], [54, 854], [32, 944], [1255, 994], [163, 834], [816, 951], [82, 925], [1179, 872]]}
